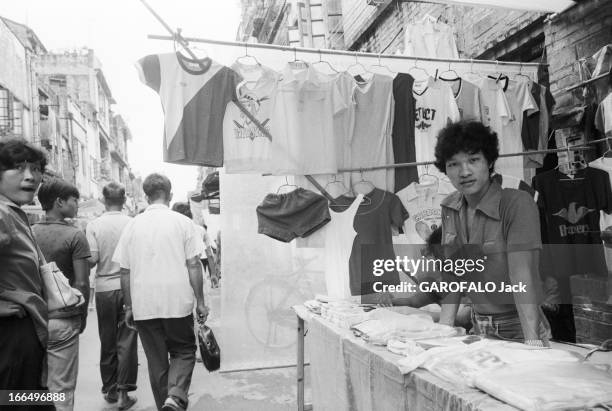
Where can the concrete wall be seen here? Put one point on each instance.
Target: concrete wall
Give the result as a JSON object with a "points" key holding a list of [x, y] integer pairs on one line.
{"points": [[13, 67]]}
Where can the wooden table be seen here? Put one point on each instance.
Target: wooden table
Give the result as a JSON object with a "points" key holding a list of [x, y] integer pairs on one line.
{"points": [[378, 383]]}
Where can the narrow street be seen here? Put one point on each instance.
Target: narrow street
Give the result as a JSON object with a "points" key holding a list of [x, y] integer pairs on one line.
{"points": [[268, 390]]}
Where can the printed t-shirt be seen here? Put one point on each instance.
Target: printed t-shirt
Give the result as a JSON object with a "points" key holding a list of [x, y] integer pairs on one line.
{"points": [[520, 102], [103, 234], [304, 107], [569, 212], [603, 116], [403, 131], [377, 215], [194, 100], [468, 98], [61, 242], [604, 164], [435, 107], [371, 143], [246, 148]]}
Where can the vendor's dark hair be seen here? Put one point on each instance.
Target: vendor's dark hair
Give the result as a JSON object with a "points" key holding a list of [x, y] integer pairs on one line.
{"points": [[183, 208], [467, 136], [157, 185], [17, 150], [114, 194], [55, 188]]}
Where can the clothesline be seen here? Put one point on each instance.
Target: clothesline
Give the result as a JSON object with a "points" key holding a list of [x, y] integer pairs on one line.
{"points": [[355, 54], [584, 146]]}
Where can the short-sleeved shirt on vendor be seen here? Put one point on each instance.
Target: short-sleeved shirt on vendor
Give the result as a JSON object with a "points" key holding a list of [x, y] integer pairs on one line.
{"points": [[506, 220], [155, 246], [194, 95], [62, 243]]}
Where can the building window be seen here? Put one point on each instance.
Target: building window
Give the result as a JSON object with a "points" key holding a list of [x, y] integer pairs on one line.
{"points": [[11, 113]]}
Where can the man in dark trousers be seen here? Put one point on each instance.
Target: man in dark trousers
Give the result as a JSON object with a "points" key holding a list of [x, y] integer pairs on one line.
{"points": [[159, 256], [119, 350], [23, 310]]}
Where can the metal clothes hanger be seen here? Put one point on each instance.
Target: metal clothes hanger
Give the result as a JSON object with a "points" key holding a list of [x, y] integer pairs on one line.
{"points": [[184, 45], [321, 61], [247, 56], [430, 180], [393, 73], [285, 185], [367, 183], [449, 70], [358, 65], [336, 181], [415, 67], [609, 150], [521, 74], [297, 63]]}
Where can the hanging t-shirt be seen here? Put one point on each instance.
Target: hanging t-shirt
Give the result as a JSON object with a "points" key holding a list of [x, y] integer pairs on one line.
{"points": [[545, 102], [304, 107], [246, 147], [493, 104], [371, 143], [604, 164], [339, 236], [603, 116], [403, 131], [435, 107], [429, 39], [467, 96], [520, 102], [569, 213], [194, 95], [377, 214]]}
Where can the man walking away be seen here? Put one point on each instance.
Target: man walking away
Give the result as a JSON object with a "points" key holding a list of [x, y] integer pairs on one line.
{"points": [[67, 246], [23, 310], [158, 253], [119, 350]]}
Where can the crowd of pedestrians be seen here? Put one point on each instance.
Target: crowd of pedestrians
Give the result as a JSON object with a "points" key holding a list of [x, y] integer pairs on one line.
{"points": [[149, 283]]}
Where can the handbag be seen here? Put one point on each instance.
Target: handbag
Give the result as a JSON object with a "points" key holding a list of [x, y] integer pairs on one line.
{"points": [[58, 292], [209, 349]]}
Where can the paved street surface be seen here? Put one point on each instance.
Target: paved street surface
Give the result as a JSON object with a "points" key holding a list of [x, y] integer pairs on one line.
{"points": [[268, 390]]}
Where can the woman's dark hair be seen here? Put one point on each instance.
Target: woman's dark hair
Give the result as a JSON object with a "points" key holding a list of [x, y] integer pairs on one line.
{"points": [[183, 208], [156, 186], [17, 150], [434, 244], [469, 137], [55, 188]]}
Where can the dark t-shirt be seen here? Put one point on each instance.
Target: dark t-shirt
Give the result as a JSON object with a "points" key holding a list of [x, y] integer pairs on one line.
{"points": [[403, 131], [373, 224], [61, 243], [569, 213]]}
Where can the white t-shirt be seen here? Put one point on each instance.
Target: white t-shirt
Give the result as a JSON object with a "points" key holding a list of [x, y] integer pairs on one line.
{"points": [[154, 246], [339, 236], [435, 107], [604, 164], [603, 117], [468, 98], [304, 106], [246, 148], [493, 103], [371, 143], [520, 100], [430, 39]]}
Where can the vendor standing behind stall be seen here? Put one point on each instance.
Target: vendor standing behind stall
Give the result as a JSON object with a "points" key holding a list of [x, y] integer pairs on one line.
{"points": [[503, 224]]}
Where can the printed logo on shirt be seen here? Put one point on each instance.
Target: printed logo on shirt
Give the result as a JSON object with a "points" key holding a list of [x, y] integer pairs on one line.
{"points": [[426, 221], [423, 117], [573, 215], [245, 128], [487, 115]]}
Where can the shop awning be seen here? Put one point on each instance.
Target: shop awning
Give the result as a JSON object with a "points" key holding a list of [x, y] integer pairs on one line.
{"points": [[555, 6]]}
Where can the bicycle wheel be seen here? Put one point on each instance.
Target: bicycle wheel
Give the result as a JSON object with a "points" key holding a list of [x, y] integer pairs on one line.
{"points": [[270, 319]]}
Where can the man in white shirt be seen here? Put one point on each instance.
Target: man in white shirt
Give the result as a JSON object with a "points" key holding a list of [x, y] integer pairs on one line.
{"points": [[118, 343], [159, 255]]}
